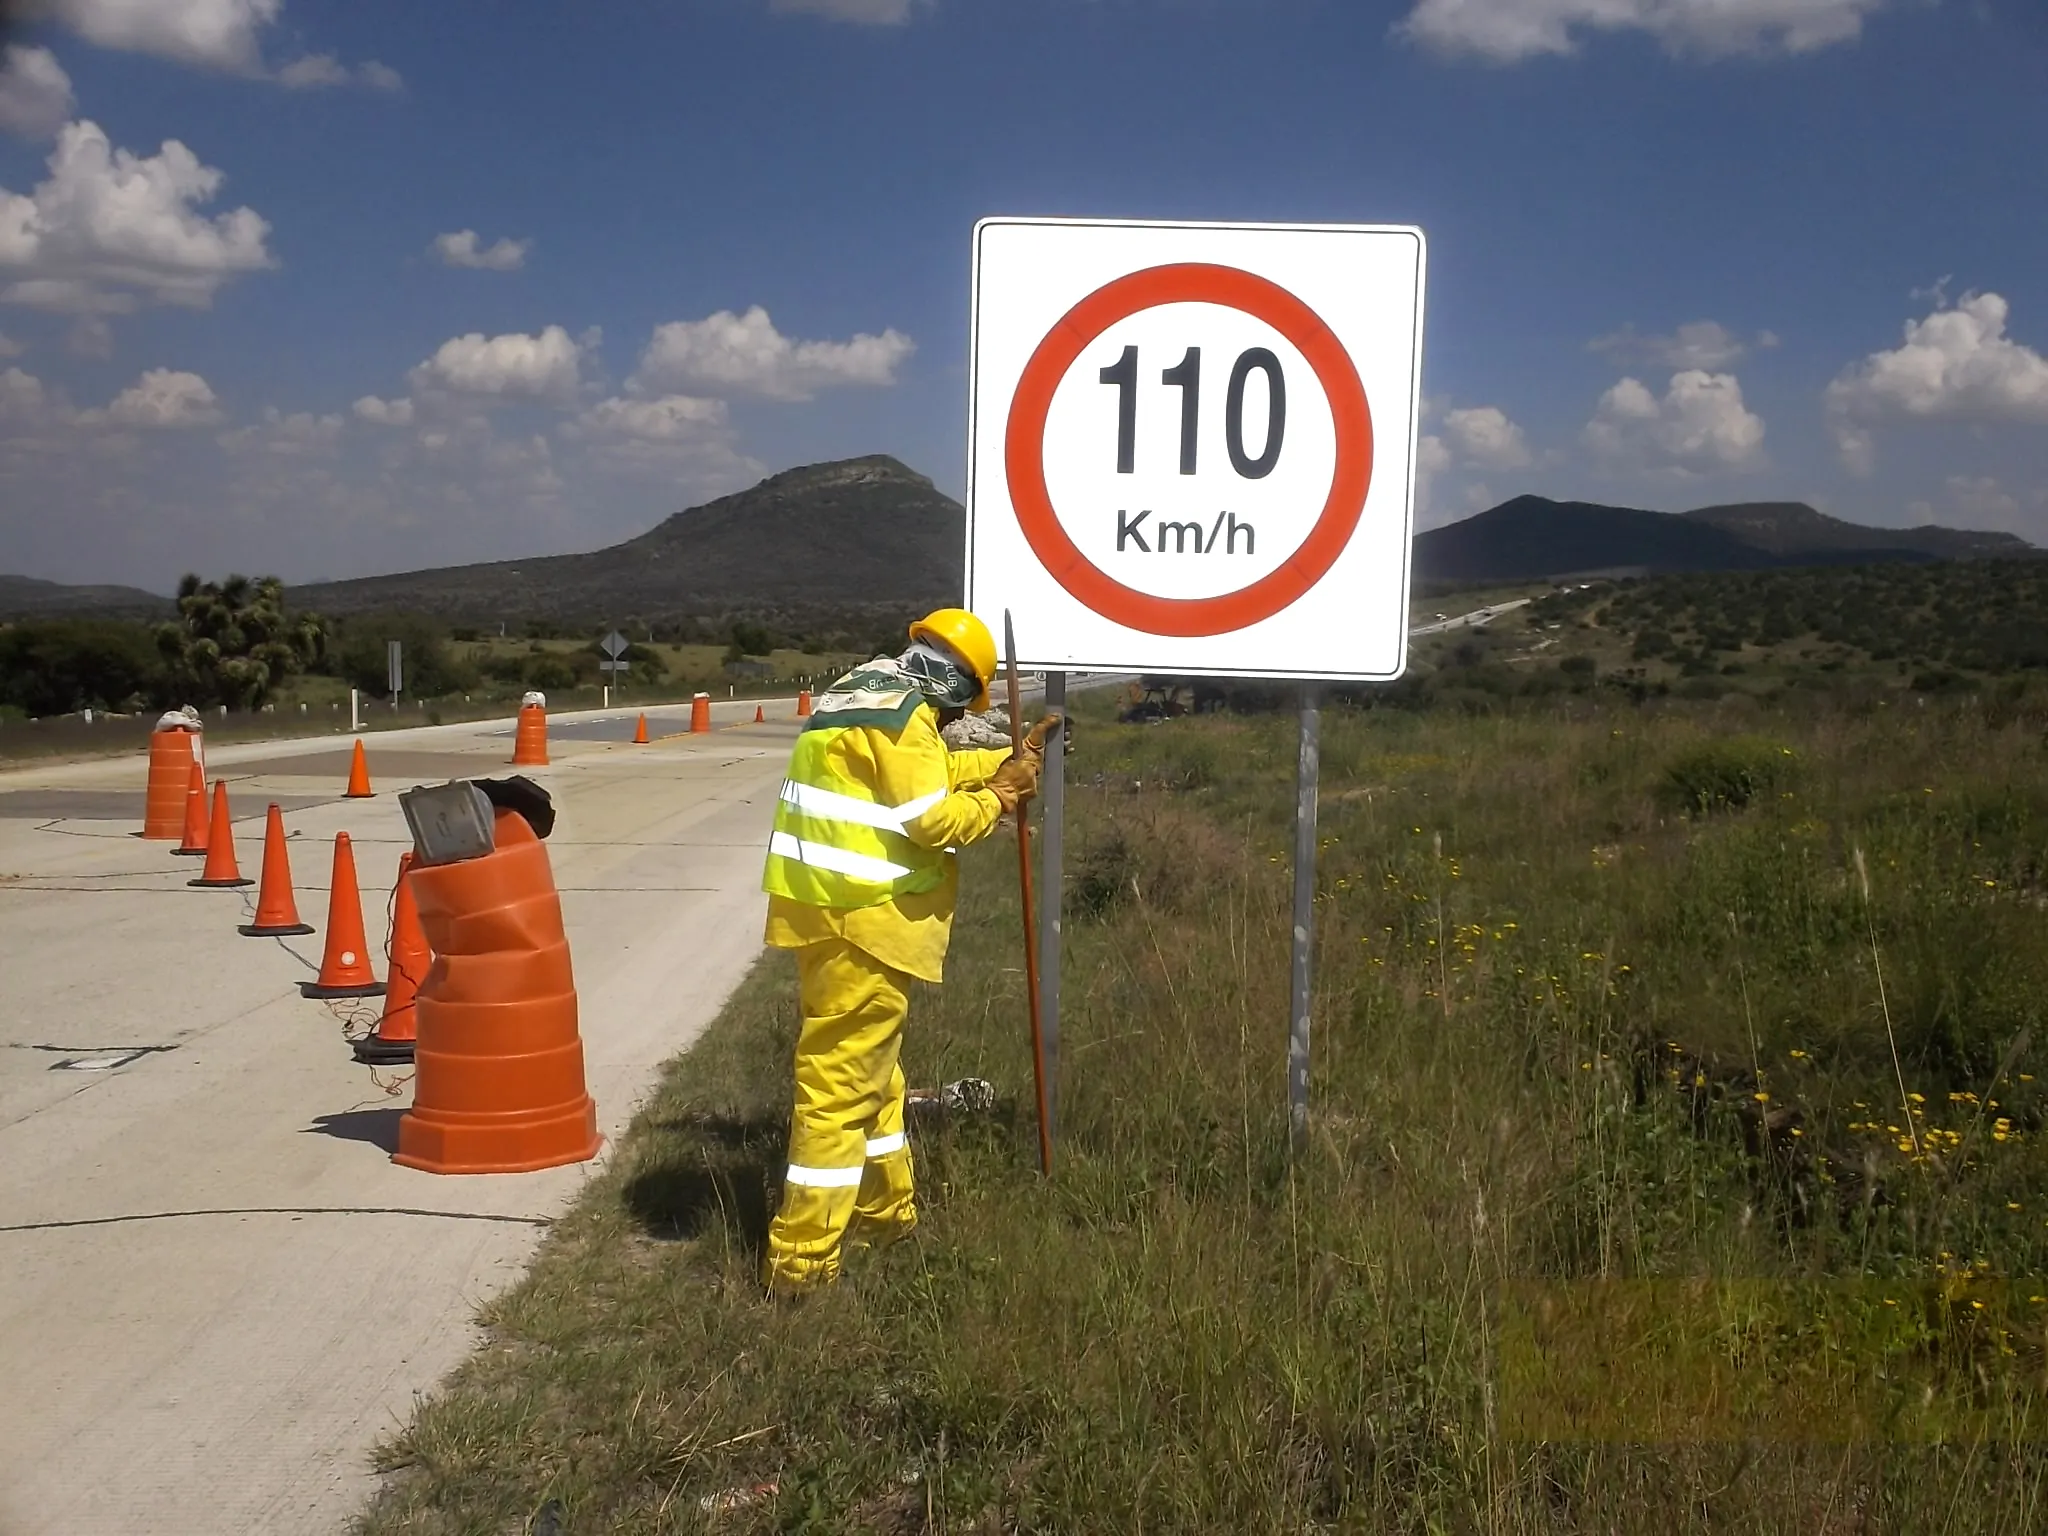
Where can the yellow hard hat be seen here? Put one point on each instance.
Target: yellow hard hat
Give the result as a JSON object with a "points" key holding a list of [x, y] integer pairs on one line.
{"points": [[968, 638]]}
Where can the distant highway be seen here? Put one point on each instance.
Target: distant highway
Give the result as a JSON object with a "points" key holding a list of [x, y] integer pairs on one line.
{"points": [[1473, 620]]}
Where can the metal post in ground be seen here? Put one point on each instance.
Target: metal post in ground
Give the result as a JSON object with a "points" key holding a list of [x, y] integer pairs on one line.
{"points": [[1052, 790], [1308, 769]]}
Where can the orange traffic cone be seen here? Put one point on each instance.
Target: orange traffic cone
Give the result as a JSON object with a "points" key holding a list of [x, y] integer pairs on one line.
{"points": [[221, 869], [171, 756], [700, 714], [499, 1085], [759, 718], [640, 732], [198, 827], [345, 965], [803, 703], [530, 743], [397, 1031], [277, 910], [358, 777]]}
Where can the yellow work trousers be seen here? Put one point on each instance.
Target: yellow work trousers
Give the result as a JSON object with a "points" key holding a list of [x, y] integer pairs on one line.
{"points": [[849, 1164]]}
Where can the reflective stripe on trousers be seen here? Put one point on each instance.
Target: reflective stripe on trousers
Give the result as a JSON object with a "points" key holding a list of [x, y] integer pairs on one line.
{"points": [[848, 1158]]}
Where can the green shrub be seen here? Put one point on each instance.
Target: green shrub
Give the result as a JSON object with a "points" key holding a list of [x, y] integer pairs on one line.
{"points": [[1726, 775]]}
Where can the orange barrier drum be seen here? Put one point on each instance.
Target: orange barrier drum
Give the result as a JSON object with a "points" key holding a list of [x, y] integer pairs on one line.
{"points": [[499, 1082], [530, 739], [171, 756]]}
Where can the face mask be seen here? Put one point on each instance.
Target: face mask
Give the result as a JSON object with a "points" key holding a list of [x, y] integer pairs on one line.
{"points": [[940, 678]]}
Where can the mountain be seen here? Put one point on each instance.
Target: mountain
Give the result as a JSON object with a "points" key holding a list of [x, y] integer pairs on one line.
{"points": [[849, 537], [1791, 528], [1533, 536], [24, 597]]}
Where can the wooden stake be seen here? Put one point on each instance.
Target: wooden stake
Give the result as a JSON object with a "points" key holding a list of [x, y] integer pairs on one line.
{"points": [[1030, 908]]}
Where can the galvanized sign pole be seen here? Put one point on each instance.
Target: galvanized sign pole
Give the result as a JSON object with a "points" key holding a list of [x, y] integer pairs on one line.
{"points": [[1052, 789], [614, 646], [1308, 768]]}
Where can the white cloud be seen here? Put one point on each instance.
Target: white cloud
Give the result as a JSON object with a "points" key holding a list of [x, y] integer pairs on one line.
{"points": [[873, 13], [1981, 502], [219, 34], [512, 367], [23, 400], [90, 336], [110, 229], [1432, 456], [746, 354], [678, 438], [1465, 439], [35, 93], [460, 249], [1699, 425], [1484, 437], [1508, 31], [213, 34], [9, 347], [384, 413], [163, 398], [672, 418], [1704, 344], [1958, 364], [321, 71], [300, 434]]}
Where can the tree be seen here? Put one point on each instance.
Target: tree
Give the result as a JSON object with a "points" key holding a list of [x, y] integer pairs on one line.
{"points": [[54, 666], [232, 642]]}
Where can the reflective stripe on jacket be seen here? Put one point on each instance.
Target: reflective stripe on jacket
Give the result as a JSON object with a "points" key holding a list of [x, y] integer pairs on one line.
{"points": [[835, 844]]}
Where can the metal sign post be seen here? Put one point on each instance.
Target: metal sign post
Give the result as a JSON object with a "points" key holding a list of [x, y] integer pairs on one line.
{"points": [[1307, 773], [1052, 790], [614, 646], [394, 668]]}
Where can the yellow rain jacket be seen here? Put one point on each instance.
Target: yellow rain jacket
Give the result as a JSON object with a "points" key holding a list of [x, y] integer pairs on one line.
{"points": [[864, 838]]}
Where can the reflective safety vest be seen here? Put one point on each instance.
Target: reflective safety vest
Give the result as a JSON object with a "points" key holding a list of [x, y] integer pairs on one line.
{"points": [[835, 845]]}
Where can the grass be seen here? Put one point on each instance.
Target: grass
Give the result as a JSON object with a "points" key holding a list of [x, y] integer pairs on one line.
{"points": [[1675, 1164]]}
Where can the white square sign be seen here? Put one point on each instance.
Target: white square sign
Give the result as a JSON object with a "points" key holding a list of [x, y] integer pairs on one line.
{"points": [[1191, 447]]}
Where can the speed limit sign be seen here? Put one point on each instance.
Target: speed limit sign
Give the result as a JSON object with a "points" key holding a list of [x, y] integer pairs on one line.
{"points": [[1192, 446]]}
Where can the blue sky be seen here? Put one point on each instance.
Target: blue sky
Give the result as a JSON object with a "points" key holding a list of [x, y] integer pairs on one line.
{"points": [[326, 289]]}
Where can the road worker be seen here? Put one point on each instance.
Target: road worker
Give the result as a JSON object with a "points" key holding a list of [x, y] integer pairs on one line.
{"points": [[861, 879]]}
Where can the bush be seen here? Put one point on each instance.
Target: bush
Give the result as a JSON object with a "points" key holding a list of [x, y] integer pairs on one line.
{"points": [[1726, 775], [548, 671], [55, 666], [359, 656]]}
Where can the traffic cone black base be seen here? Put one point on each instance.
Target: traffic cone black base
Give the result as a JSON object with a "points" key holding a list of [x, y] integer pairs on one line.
{"points": [[286, 931], [221, 885], [383, 1053], [367, 989]]}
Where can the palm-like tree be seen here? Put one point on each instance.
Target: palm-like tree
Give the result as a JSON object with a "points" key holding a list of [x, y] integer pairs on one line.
{"points": [[233, 641]]}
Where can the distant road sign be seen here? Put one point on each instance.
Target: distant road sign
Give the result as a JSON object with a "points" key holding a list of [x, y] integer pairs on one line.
{"points": [[394, 666], [615, 666], [614, 645], [1192, 445]]}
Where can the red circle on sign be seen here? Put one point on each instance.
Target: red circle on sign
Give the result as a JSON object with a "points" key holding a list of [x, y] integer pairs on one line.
{"points": [[1024, 449]]}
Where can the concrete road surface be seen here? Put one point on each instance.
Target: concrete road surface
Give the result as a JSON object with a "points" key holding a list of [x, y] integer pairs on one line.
{"points": [[216, 1290]]}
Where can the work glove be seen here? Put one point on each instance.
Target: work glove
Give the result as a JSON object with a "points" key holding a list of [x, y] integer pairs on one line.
{"points": [[1016, 780], [1035, 738]]}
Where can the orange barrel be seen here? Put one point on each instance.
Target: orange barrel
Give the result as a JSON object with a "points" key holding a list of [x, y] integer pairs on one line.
{"points": [[498, 1084], [171, 756], [530, 738], [700, 714]]}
